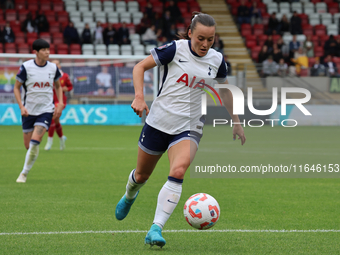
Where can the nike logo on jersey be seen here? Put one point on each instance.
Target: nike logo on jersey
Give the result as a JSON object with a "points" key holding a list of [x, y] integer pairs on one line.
{"points": [[172, 202], [182, 61], [142, 137]]}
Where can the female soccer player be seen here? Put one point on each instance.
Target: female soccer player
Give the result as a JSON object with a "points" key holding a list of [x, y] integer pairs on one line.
{"points": [[37, 108], [66, 85], [175, 121]]}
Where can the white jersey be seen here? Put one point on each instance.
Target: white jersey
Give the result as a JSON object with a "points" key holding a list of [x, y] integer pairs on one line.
{"points": [[184, 77], [37, 82]]}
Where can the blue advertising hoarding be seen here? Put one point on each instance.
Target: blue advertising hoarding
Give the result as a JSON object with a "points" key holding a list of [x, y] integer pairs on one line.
{"points": [[79, 115]]}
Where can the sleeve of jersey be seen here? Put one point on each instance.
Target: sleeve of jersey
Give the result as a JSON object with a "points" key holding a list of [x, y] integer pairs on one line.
{"points": [[21, 75], [68, 82], [222, 72], [164, 54], [57, 75]]}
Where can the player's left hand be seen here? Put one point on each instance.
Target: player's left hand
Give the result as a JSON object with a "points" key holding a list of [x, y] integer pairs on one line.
{"points": [[238, 130], [58, 110]]}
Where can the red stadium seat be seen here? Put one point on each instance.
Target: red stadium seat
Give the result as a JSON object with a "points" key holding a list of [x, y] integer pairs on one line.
{"points": [[258, 29], [46, 37], [315, 40], [261, 39], [22, 14], [31, 40], [75, 52], [58, 6], [318, 51], [20, 5], [58, 38], [315, 1], [265, 18], [50, 15], [307, 29], [311, 62], [333, 8], [32, 35], [323, 39], [32, 7], [62, 16], [10, 48], [251, 44], [1, 48], [45, 6], [336, 60], [304, 72], [62, 48], [276, 38], [304, 18], [255, 52], [251, 37], [246, 30], [23, 48], [75, 46], [11, 15]]}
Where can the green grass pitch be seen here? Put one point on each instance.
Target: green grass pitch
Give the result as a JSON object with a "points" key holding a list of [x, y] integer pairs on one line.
{"points": [[77, 190]]}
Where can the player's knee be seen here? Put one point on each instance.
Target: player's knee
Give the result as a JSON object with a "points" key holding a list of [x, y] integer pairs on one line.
{"points": [[141, 178], [178, 171]]}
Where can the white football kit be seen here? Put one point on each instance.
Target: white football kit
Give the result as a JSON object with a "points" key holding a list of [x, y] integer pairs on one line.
{"points": [[183, 76], [37, 82]]}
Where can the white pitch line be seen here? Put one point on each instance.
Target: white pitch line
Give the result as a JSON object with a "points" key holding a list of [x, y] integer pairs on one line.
{"points": [[180, 230]]}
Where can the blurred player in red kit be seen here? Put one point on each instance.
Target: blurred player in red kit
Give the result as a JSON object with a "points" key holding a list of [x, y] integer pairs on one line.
{"points": [[66, 85]]}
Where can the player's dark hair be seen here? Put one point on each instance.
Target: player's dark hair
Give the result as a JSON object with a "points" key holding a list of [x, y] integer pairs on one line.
{"points": [[40, 44], [197, 17]]}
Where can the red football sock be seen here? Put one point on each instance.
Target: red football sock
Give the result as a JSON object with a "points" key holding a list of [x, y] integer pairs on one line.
{"points": [[59, 129], [51, 129]]}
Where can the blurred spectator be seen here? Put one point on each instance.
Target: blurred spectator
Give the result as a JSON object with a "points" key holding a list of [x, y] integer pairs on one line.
{"points": [[172, 33], [124, 34], [331, 46], [263, 55], [41, 22], [168, 20], [86, 34], [146, 20], [174, 11], [8, 34], [229, 68], [318, 69], [294, 45], [1, 34], [280, 43], [110, 35], [29, 25], [7, 4], [282, 68], [243, 13], [269, 43], [269, 67], [218, 44], [149, 11], [300, 61], [308, 46], [71, 34], [255, 14], [104, 82], [142, 26], [273, 24], [277, 54], [150, 37], [284, 25], [98, 34], [158, 21], [330, 66], [295, 24]]}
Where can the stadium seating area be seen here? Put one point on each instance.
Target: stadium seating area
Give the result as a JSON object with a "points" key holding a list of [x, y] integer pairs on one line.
{"points": [[80, 12], [319, 19]]}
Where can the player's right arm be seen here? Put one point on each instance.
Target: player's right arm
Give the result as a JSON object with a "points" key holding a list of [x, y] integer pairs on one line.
{"points": [[17, 95], [139, 104]]}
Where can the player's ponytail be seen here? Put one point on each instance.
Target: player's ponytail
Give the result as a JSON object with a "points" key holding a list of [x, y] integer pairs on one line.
{"points": [[197, 17]]}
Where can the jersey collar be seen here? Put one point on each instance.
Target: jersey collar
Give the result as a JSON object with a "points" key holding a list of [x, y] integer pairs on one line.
{"points": [[38, 65], [193, 53]]}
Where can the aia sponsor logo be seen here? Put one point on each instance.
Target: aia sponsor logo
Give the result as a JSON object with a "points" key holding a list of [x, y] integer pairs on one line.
{"points": [[41, 85]]}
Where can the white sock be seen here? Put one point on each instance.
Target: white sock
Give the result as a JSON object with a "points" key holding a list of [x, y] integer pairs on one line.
{"points": [[167, 201], [50, 139], [132, 186], [31, 156]]}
